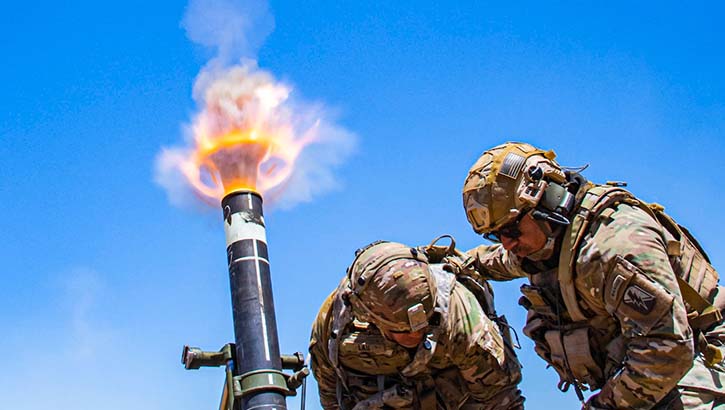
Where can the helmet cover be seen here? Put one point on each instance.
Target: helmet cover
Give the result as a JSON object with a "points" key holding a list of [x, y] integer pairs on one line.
{"points": [[505, 181], [391, 287]]}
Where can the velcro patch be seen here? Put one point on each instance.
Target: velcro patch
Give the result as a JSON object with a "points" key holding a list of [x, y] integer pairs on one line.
{"points": [[512, 165], [417, 318], [616, 284], [639, 300]]}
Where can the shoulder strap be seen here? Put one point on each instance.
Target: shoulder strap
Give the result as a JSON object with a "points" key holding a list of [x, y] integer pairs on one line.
{"points": [[341, 316], [596, 200], [705, 313]]}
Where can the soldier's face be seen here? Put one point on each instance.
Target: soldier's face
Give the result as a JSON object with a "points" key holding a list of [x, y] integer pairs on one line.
{"points": [[408, 339], [532, 238]]}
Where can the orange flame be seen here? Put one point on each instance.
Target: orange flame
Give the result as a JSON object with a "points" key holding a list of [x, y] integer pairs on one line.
{"points": [[245, 138]]}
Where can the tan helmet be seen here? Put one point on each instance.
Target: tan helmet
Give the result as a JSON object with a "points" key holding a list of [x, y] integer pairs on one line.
{"points": [[509, 180], [391, 287]]}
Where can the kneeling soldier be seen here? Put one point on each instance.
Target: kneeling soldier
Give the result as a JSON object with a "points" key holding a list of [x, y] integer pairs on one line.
{"points": [[401, 333]]}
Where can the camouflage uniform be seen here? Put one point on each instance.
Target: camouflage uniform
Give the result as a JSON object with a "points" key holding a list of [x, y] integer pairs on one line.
{"points": [[462, 363], [627, 332]]}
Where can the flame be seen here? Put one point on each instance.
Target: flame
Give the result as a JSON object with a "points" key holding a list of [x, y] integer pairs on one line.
{"points": [[245, 138]]}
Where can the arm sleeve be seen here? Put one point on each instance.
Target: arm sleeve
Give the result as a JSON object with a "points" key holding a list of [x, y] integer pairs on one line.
{"points": [[477, 349], [322, 369], [641, 291], [495, 263]]}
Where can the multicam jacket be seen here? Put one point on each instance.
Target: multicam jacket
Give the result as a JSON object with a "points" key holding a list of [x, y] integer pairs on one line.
{"points": [[467, 366], [630, 337]]}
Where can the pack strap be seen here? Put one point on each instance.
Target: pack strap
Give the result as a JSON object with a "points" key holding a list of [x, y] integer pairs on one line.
{"points": [[706, 314], [340, 317], [712, 354], [596, 199]]}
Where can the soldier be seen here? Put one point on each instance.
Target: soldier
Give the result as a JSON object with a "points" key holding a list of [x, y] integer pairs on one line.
{"points": [[621, 298], [401, 333]]}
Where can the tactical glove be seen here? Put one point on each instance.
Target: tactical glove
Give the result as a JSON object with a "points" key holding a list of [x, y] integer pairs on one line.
{"points": [[396, 397]]}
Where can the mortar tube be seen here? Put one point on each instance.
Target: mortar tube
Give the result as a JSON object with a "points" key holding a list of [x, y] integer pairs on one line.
{"points": [[255, 326]]}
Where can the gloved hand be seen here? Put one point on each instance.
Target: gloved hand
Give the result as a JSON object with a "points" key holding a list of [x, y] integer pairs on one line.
{"points": [[396, 397]]}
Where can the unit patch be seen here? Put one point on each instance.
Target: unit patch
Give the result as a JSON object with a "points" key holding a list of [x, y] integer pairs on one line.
{"points": [[639, 300]]}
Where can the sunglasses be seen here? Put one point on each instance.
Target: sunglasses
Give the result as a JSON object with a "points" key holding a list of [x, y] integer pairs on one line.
{"points": [[510, 230]]}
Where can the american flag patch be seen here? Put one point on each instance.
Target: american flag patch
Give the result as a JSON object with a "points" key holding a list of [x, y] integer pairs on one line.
{"points": [[512, 165]]}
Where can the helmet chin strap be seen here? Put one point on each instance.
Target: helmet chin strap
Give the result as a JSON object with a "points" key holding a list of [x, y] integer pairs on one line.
{"points": [[545, 252], [545, 221]]}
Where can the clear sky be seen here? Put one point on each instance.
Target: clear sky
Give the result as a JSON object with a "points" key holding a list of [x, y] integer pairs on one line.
{"points": [[103, 280]]}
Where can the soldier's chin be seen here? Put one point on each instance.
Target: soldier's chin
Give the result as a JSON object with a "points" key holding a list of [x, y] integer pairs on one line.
{"points": [[539, 254], [407, 340], [409, 345], [522, 251]]}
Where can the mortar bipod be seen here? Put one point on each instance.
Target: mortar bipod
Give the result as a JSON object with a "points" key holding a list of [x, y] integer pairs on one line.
{"points": [[240, 385]]}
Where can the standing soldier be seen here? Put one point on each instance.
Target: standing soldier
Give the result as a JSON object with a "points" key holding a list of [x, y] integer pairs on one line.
{"points": [[401, 333], [621, 298]]}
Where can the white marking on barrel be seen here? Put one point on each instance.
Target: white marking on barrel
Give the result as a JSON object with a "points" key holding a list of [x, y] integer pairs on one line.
{"points": [[243, 229], [249, 258], [261, 303], [239, 229]]}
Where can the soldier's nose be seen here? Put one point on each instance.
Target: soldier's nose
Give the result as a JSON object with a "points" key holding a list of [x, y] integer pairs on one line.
{"points": [[508, 243]]}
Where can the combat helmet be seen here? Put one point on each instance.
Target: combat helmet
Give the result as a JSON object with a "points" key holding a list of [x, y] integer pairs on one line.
{"points": [[391, 287], [510, 180]]}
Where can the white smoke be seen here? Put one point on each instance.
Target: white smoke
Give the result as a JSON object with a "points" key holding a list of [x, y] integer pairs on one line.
{"points": [[169, 176], [234, 31], [314, 171], [231, 29], [242, 96]]}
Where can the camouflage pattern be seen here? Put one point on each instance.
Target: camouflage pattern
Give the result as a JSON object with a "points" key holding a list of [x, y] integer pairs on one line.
{"points": [[640, 340], [461, 364], [389, 295], [499, 186]]}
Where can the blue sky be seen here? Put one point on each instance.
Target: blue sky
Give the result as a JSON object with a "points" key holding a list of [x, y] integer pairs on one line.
{"points": [[104, 280]]}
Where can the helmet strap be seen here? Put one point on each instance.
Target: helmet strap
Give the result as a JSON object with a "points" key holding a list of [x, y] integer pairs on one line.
{"points": [[551, 226], [546, 251]]}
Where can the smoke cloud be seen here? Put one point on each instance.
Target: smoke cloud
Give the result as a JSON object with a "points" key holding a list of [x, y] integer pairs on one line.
{"points": [[230, 29], [232, 92]]}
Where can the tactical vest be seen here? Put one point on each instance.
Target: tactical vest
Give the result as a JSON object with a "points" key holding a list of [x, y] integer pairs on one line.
{"points": [[587, 348], [397, 366]]}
